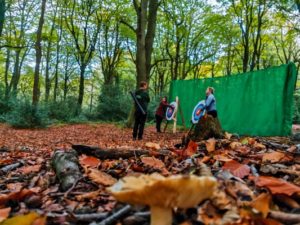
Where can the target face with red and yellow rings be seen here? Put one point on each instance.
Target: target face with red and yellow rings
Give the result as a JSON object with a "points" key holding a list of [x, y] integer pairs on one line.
{"points": [[170, 113], [198, 112]]}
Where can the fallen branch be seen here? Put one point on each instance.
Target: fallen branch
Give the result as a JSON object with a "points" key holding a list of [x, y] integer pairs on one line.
{"points": [[11, 167], [66, 167], [90, 217], [286, 218], [114, 217], [116, 153]]}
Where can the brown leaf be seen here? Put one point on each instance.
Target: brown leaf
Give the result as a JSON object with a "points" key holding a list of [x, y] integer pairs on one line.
{"points": [[155, 163], [262, 204], [14, 187], [237, 169], [29, 169], [89, 195], [100, 177], [18, 196], [259, 146], [210, 145], [191, 149], [233, 145], [4, 213], [276, 186], [152, 146], [89, 161], [273, 157]]}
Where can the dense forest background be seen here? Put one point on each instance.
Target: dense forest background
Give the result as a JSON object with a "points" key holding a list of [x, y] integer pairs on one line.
{"points": [[75, 60]]}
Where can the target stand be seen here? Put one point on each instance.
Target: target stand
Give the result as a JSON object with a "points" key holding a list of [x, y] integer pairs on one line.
{"points": [[171, 114]]}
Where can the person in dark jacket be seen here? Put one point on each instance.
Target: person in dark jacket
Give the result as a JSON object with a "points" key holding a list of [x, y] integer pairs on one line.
{"points": [[143, 98], [161, 112], [210, 102]]}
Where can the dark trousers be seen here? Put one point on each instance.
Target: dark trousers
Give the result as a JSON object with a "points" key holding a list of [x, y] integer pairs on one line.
{"points": [[158, 119], [139, 124], [213, 113]]}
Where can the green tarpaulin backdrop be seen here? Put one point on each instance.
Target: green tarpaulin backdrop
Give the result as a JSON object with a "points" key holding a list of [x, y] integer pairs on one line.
{"points": [[255, 103]]}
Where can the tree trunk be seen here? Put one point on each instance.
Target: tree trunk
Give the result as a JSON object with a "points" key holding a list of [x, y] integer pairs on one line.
{"points": [[81, 88], [2, 15], [145, 33], [38, 49], [47, 77], [7, 63]]}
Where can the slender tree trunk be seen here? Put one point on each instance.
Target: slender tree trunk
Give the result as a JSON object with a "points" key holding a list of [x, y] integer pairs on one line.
{"points": [[2, 15], [38, 49], [47, 76], [66, 77], [7, 64], [81, 87]]}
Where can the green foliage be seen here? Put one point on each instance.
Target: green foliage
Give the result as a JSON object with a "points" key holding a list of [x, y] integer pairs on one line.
{"points": [[63, 111], [114, 105], [25, 115]]}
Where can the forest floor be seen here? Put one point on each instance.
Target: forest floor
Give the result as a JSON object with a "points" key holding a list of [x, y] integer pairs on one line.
{"points": [[258, 178]]}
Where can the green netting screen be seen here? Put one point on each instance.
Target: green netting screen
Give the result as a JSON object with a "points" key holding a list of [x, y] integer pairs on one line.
{"points": [[254, 103]]}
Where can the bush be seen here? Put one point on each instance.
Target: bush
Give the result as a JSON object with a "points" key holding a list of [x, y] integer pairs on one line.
{"points": [[114, 105], [63, 111], [25, 115]]}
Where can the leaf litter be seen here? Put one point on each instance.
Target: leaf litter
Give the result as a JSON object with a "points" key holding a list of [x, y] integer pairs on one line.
{"points": [[258, 178]]}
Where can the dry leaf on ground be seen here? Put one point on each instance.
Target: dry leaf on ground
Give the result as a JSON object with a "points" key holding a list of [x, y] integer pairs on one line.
{"points": [[100, 177], [4, 213], [276, 186], [89, 161], [237, 169], [152, 146], [273, 157], [262, 204]]}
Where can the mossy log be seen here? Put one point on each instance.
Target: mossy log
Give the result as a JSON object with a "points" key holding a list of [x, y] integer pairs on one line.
{"points": [[66, 166]]}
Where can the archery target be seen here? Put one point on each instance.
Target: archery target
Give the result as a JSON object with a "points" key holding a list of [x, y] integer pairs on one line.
{"points": [[198, 112], [170, 113]]}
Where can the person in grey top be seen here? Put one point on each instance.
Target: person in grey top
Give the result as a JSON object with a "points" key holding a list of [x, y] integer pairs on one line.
{"points": [[210, 102]]}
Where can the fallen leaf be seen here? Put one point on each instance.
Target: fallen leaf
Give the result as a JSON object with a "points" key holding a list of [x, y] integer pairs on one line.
{"points": [[262, 204], [17, 196], [14, 187], [275, 185], [259, 146], [89, 161], [228, 135], [89, 195], [273, 157], [40, 221], [210, 145], [154, 163], [29, 169], [4, 213], [100, 177], [27, 219], [222, 158], [233, 145], [152, 146], [237, 169], [191, 149]]}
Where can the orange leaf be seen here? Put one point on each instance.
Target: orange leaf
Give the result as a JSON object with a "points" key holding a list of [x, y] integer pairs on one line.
{"points": [[4, 213], [30, 169], [18, 196], [40, 221], [191, 149], [237, 169], [89, 161], [262, 204], [276, 186], [100, 177], [273, 157]]}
